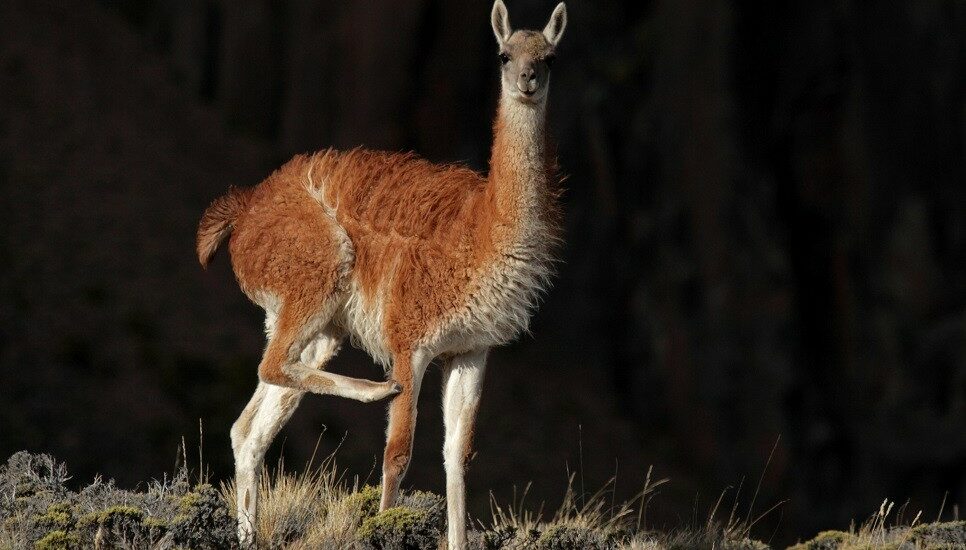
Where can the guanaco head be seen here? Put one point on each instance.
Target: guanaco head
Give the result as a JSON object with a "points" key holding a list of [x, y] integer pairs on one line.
{"points": [[526, 56]]}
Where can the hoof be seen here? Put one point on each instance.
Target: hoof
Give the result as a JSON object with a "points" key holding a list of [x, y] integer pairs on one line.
{"points": [[382, 390]]}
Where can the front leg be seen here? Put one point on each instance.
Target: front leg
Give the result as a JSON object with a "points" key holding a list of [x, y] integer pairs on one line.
{"points": [[408, 369], [462, 387]]}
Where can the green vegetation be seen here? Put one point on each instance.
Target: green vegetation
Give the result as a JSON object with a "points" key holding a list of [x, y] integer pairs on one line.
{"points": [[399, 527], [366, 500], [418, 522], [319, 509]]}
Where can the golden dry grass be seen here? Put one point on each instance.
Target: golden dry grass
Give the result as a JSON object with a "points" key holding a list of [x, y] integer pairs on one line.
{"points": [[318, 508]]}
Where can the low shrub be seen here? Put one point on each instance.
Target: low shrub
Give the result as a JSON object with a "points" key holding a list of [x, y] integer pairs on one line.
{"points": [[37, 510], [416, 524]]}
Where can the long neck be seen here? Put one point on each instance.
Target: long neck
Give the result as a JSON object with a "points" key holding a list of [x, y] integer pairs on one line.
{"points": [[518, 165]]}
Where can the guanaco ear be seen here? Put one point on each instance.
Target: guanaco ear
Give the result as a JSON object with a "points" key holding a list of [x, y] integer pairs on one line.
{"points": [[558, 22], [501, 22]]}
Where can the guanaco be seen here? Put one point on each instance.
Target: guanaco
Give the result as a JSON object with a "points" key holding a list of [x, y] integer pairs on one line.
{"points": [[412, 260]]}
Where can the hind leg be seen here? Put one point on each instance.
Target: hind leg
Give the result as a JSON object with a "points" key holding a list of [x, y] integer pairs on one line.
{"points": [[267, 412], [297, 261], [283, 365], [264, 416]]}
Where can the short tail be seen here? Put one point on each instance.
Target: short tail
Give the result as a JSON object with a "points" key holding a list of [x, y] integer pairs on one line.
{"points": [[218, 221]]}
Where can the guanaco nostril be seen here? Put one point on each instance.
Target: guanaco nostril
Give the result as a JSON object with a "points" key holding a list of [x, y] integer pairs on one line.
{"points": [[527, 81]]}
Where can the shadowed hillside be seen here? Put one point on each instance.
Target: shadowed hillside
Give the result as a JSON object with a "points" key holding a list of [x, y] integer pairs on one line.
{"points": [[765, 235]]}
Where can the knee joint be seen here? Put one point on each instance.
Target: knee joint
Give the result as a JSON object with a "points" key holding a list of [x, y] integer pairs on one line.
{"points": [[396, 464], [240, 430], [459, 457], [400, 462], [273, 375]]}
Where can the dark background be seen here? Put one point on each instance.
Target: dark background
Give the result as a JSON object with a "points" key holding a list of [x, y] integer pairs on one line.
{"points": [[765, 226]]}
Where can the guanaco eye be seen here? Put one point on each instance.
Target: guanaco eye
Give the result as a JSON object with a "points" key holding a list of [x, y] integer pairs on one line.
{"points": [[504, 58], [549, 60]]}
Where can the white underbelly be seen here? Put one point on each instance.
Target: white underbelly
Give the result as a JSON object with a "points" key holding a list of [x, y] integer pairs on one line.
{"points": [[499, 309], [364, 321]]}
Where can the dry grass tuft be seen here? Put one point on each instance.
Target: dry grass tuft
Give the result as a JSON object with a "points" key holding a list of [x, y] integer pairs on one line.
{"points": [[314, 509], [592, 523]]}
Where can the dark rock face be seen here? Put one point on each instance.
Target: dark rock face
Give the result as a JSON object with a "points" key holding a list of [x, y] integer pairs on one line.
{"points": [[765, 235]]}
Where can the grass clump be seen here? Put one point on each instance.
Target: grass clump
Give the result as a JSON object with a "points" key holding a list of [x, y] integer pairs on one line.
{"points": [[365, 500], [564, 537], [314, 509], [590, 523], [319, 508], [826, 540], [595, 523], [940, 535]]}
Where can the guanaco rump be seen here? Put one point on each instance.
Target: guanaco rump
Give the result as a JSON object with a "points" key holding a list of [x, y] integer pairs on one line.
{"points": [[412, 260]]}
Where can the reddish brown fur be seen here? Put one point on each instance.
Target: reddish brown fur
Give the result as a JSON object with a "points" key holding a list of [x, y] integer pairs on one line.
{"points": [[399, 440], [430, 228], [286, 245], [424, 231], [410, 220]]}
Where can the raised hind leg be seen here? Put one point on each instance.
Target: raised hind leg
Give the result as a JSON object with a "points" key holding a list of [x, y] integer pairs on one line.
{"points": [[282, 364], [271, 407]]}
